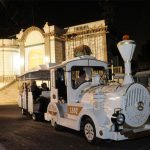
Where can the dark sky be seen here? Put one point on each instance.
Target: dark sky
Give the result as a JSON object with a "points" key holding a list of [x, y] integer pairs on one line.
{"points": [[122, 16]]}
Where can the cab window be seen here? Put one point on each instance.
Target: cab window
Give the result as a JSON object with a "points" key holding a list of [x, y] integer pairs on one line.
{"points": [[82, 74]]}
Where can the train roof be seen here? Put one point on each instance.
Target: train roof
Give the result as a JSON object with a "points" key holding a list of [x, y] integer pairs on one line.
{"points": [[76, 59], [40, 73], [43, 72]]}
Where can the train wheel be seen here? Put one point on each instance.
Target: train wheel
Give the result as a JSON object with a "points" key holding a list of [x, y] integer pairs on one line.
{"points": [[34, 116], [89, 131], [23, 111], [55, 125], [37, 116]]}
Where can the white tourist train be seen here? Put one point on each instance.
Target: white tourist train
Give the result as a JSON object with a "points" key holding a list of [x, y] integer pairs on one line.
{"points": [[101, 109]]}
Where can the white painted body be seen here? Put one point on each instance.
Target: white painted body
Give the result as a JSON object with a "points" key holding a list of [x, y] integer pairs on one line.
{"points": [[28, 104], [24, 100], [98, 102]]}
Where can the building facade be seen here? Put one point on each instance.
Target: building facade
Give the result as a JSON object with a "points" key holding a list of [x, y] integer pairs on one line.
{"points": [[39, 46], [91, 34], [9, 56], [36, 47]]}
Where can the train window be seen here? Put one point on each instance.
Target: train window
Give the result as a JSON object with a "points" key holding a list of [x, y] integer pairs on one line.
{"points": [[77, 71]]}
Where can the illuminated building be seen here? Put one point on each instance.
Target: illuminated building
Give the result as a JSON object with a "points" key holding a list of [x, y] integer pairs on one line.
{"points": [[37, 47], [9, 56]]}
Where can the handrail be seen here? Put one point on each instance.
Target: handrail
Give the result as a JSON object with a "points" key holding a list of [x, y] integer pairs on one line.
{"points": [[10, 80]]}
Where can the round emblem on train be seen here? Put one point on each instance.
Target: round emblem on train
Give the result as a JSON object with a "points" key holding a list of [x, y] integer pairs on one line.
{"points": [[140, 106]]}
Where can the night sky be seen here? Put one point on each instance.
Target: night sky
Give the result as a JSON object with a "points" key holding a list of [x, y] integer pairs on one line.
{"points": [[122, 17]]}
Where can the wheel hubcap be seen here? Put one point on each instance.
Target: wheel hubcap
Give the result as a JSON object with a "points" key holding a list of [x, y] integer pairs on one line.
{"points": [[89, 131], [33, 116]]}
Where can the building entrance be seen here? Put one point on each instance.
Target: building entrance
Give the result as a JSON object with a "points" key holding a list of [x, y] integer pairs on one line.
{"points": [[35, 58]]}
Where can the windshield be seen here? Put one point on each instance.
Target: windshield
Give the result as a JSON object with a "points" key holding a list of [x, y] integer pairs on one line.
{"points": [[82, 74]]}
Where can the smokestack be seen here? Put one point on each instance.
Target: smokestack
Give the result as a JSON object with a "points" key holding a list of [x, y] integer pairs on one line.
{"points": [[126, 48]]}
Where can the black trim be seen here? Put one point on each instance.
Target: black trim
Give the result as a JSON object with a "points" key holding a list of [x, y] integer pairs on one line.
{"points": [[129, 87]]}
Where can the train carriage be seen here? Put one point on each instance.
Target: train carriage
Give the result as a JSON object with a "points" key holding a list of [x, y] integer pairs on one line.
{"points": [[25, 100]]}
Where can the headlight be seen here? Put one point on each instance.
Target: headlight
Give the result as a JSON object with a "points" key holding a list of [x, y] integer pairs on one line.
{"points": [[118, 118]]}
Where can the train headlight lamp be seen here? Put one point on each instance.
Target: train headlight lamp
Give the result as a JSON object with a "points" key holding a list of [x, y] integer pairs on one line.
{"points": [[118, 118]]}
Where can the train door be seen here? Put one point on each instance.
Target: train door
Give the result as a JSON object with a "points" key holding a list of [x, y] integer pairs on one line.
{"points": [[58, 85]]}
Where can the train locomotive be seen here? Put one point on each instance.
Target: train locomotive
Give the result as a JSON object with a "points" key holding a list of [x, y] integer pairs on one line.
{"points": [[101, 109]]}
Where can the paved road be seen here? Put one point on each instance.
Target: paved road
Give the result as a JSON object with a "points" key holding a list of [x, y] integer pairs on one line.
{"points": [[19, 132]]}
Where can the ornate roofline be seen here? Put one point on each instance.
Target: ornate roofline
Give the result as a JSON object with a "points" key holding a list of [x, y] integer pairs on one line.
{"points": [[28, 30]]}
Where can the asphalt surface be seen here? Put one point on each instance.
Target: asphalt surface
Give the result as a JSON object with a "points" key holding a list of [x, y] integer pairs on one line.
{"points": [[19, 132]]}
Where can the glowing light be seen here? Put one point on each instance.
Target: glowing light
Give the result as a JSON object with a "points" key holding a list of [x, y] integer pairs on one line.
{"points": [[16, 64], [114, 98], [21, 61], [46, 59]]}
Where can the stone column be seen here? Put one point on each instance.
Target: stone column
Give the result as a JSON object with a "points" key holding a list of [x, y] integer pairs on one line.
{"points": [[47, 58], [49, 43], [104, 47], [20, 38], [52, 49], [22, 57]]}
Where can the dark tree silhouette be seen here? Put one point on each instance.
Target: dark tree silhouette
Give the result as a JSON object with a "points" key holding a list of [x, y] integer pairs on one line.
{"points": [[143, 58]]}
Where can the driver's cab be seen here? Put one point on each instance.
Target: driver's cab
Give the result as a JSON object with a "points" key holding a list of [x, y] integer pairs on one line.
{"points": [[66, 94], [64, 87]]}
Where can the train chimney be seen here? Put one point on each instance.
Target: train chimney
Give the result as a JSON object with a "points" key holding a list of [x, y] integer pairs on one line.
{"points": [[126, 48]]}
